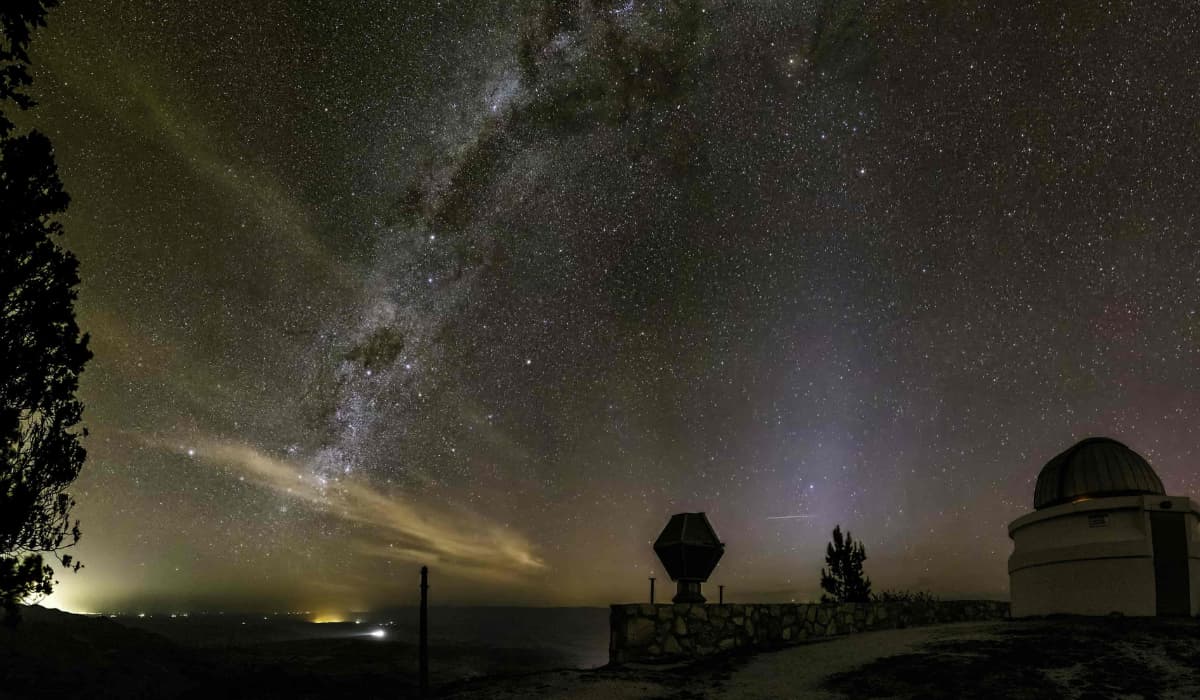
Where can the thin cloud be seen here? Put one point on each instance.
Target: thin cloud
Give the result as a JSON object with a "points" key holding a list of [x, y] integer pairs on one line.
{"points": [[399, 529]]}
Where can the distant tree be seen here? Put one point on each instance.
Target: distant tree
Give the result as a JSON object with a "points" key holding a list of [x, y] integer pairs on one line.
{"points": [[41, 351], [843, 581]]}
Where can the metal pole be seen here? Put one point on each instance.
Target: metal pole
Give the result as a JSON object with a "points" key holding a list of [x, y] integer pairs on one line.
{"points": [[652, 590], [424, 632], [721, 594]]}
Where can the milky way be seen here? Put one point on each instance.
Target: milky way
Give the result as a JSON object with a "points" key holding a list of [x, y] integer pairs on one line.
{"points": [[498, 289]]}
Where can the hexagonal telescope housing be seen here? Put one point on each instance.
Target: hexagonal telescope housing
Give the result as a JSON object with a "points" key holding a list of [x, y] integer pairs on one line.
{"points": [[689, 549]]}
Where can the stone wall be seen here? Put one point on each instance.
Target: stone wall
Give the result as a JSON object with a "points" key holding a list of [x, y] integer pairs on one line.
{"points": [[671, 632]]}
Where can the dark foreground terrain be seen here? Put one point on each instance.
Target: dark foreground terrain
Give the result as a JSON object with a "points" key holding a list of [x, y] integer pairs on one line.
{"points": [[1054, 658], [1034, 659], [54, 654]]}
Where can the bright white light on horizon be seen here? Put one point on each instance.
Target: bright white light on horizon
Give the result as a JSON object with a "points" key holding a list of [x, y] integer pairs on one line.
{"points": [[378, 634], [62, 599]]}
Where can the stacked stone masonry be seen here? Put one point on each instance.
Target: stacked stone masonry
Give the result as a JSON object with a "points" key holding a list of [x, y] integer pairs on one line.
{"points": [[655, 633]]}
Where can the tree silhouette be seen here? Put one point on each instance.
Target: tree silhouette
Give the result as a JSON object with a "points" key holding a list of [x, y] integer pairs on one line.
{"points": [[40, 345], [843, 581]]}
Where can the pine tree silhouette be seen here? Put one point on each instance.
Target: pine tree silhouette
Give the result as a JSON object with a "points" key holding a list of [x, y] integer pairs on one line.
{"points": [[843, 581], [41, 351]]}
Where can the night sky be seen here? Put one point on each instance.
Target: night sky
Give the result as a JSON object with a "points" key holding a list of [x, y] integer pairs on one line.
{"points": [[498, 288]]}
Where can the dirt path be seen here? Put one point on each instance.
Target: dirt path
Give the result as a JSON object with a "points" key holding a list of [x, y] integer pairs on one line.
{"points": [[1052, 659], [800, 671], [796, 672]]}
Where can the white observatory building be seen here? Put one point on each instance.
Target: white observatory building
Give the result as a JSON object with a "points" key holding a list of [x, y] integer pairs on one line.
{"points": [[1105, 538]]}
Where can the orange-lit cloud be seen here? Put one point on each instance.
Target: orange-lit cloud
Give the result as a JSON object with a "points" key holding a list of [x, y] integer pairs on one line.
{"points": [[397, 528]]}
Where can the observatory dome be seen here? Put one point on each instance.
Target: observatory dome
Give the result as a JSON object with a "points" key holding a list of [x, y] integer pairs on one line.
{"points": [[1091, 468]]}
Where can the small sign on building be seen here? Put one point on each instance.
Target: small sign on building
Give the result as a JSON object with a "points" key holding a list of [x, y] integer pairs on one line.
{"points": [[1098, 520]]}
